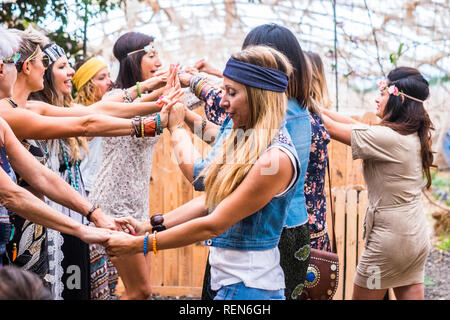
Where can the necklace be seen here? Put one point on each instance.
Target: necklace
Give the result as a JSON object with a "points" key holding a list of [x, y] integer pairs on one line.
{"points": [[73, 182], [11, 101]]}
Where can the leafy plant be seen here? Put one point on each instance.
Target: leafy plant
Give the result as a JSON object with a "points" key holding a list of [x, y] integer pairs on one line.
{"points": [[393, 57], [21, 13], [444, 243]]}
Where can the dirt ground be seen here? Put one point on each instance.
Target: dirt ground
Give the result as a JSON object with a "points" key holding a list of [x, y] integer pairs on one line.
{"points": [[437, 276]]}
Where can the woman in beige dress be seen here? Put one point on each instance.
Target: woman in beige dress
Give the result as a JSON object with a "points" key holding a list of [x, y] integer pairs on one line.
{"points": [[396, 153]]}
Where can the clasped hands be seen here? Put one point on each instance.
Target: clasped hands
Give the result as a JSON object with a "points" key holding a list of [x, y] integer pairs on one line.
{"points": [[118, 236]]}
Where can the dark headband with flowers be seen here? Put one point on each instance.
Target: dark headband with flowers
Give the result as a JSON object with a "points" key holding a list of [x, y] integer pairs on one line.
{"points": [[392, 89]]}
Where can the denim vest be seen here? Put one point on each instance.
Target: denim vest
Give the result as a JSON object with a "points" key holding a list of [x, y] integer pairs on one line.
{"points": [[298, 125], [9, 171], [261, 230]]}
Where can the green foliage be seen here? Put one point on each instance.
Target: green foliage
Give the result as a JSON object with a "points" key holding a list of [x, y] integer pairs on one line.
{"points": [[21, 13], [444, 243], [393, 57]]}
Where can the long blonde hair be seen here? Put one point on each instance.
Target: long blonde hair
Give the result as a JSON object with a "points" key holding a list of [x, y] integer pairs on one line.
{"points": [[267, 110], [87, 94], [319, 88]]}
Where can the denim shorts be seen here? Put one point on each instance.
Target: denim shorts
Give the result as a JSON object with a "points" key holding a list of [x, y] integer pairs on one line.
{"points": [[5, 233], [238, 291]]}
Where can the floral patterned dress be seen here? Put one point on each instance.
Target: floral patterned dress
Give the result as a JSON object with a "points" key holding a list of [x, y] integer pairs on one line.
{"points": [[315, 184]]}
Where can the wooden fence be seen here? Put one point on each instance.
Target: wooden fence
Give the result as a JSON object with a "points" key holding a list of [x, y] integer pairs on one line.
{"points": [[180, 271]]}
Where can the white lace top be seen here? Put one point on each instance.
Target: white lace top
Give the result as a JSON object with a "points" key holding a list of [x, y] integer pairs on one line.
{"points": [[121, 186]]}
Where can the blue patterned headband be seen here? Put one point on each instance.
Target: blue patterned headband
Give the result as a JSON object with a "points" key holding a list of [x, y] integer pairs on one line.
{"points": [[256, 76], [54, 52]]}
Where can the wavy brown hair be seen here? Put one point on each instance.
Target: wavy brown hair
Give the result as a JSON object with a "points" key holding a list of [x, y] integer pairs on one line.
{"points": [[407, 116]]}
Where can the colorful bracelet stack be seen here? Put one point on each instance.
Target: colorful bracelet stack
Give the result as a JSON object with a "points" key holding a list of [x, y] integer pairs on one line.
{"points": [[146, 126], [200, 87]]}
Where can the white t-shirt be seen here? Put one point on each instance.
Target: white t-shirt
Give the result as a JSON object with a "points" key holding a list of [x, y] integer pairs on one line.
{"points": [[255, 268]]}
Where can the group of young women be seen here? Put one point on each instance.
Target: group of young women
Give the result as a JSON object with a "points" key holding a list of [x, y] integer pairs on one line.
{"points": [[68, 163]]}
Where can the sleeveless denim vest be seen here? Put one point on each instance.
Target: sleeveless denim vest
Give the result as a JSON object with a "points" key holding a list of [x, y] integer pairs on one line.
{"points": [[261, 230], [298, 125], [9, 171]]}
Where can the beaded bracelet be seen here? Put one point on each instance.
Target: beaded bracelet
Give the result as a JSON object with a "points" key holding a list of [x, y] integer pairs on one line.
{"points": [[157, 221], [154, 242], [145, 243], [160, 128]]}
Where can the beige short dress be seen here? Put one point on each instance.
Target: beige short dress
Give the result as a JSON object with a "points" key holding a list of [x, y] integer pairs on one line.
{"points": [[396, 234]]}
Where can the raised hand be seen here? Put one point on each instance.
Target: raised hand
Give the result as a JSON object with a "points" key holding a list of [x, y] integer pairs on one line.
{"points": [[168, 102], [204, 66], [156, 82], [176, 116], [170, 79]]}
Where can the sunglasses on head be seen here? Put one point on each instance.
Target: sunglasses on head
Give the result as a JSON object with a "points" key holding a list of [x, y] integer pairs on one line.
{"points": [[148, 48], [45, 60], [12, 59]]}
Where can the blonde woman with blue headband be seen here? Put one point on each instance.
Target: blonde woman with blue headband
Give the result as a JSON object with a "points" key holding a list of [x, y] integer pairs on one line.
{"points": [[243, 212]]}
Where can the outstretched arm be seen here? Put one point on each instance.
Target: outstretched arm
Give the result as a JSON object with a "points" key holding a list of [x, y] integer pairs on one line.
{"points": [[188, 211], [255, 191], [29, 125], [110, 108], [339, 131], [46, 181], [337, 117]]}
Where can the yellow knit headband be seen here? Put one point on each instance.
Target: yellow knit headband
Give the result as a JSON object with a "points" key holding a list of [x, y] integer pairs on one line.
{"points": [[87, 71]]}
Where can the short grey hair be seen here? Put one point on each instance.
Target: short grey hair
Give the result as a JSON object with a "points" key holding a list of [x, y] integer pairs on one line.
{"points": [[9, 44]]}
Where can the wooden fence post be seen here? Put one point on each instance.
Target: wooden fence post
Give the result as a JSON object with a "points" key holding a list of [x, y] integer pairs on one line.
{"points": [[351, 238], [340, 239], [363, 202]]}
